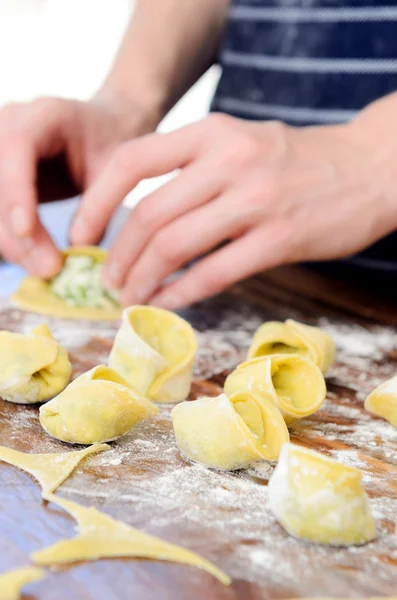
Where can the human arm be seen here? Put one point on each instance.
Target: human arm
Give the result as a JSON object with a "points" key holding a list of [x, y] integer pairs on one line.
{"points": [[158, 59], [274, 193]]}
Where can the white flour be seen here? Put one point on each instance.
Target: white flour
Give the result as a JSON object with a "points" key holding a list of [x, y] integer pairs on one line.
{"points": [[226, 516]]}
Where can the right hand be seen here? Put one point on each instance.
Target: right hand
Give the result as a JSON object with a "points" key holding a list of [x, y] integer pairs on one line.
{"points": [[36, 135]]}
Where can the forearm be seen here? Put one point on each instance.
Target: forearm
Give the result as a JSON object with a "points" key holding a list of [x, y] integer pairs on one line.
{"points": [[375, 131], [169, 44]]}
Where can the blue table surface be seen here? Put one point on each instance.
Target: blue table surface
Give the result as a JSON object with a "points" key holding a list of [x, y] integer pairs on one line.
{"points": [[57, 217]]}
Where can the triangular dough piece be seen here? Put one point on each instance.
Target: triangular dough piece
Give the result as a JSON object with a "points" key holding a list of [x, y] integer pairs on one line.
{"points": [[13, 581], [100, 536], [51, 469]]}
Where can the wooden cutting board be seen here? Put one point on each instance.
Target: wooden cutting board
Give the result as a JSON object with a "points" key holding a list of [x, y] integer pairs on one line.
{"points": [[225, 517]]}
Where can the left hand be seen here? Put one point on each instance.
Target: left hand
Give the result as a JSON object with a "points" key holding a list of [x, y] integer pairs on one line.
{"points": [[276, 194]]}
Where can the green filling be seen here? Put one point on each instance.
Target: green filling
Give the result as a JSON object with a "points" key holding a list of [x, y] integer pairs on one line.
{"points": [[79, 284]]}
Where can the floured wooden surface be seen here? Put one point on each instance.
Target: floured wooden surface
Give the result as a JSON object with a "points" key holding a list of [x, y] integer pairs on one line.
{"points": [[225, 517]]}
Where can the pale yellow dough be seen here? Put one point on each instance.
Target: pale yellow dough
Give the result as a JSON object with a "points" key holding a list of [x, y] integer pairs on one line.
{"points": [[319, 499], [100, 536], [229, 433], [154, 351], [50, 470], [33, 367], [292, 382], [34, 294], [382, 402], [13, 581], [292, 337], [98, 406]]}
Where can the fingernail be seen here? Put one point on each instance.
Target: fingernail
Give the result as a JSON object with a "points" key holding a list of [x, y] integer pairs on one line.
{"points": [[42, 263], [20, 221], [112, 276], [167, 300], [78, 233]]}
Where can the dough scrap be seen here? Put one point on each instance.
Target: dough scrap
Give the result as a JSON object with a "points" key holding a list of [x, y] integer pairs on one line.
{"points": [[98, 406], [33, 367], [13, 581], [101, 536], [229, 433], [292, 337], [35, 294], [50, 470], [319, 499], [292, 382], [382, 402], [154, 351]]}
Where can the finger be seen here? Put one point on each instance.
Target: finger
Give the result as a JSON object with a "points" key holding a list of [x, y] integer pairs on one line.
{"points": [[258, 250], [149, 156], [193, 234], [196, 185], [34, 136]]}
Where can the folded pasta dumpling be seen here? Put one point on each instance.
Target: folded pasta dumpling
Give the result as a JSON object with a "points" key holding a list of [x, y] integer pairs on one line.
{"points": [[319, 499], [154, 351], [382, 402], [292, 337], [76, 292], [33, 367], [292, 382], [98, 406], [229, 433]]}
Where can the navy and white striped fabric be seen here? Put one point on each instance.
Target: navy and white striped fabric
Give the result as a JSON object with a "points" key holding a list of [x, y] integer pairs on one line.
{"points": [[306, 61]]}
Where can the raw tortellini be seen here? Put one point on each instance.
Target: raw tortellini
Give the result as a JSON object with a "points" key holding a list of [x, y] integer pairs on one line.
{"points": [[293, 383], [33, 367], [383, 401], [319, 499], [98, 406], [154, 351], [292, 337], [76, 293], [229, 433]]}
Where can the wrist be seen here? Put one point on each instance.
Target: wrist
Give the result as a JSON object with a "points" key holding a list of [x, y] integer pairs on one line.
{"points": [[137, 115]]}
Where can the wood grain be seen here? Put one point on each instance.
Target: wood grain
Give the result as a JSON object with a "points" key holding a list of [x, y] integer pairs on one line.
{"points": [[223, 516]]}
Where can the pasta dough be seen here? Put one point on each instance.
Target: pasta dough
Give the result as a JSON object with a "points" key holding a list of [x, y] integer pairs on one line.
{"points": [[33, 367], [100, 536], [154, 351], [13, 581], [292, 382], [50, 470], [36, 295], [383, 401], [292, 337], [229, 433], [319, 499], [98, 406]]}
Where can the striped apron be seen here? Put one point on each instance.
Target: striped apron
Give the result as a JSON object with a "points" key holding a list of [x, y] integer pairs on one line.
{"points": [[308, 62]]}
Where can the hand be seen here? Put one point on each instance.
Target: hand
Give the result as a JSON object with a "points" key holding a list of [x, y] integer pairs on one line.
{"points": [[84, 134], [274, 193]]}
